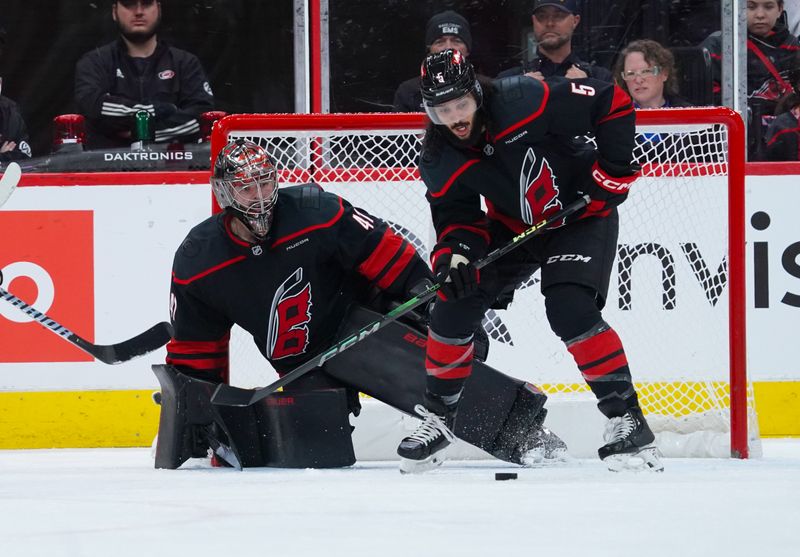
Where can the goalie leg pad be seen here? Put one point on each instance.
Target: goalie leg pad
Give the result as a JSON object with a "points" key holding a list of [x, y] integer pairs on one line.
{"points": [[189, 424], [305, 429], [389, 365], [286, 430]]}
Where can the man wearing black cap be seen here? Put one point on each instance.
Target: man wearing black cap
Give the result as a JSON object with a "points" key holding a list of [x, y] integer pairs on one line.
{"points": [[13, 132], [444, 30], [554, 22], [140, 72]]}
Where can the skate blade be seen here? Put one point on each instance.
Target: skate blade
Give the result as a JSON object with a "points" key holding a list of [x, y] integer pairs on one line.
{"points": [[649, 459], [538, 458], [408, 466]]}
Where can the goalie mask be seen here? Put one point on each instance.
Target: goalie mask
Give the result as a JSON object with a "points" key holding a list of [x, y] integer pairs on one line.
{"points": [[450, 89], [245, 182]]}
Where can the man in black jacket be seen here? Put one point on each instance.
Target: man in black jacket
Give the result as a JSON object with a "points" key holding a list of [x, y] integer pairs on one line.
{"points": [[554, 22], [13, 132], [139, 72], [444, 30]]}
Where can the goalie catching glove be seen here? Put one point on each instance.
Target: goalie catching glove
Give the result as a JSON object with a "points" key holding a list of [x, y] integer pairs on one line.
{"points": [[608, 191], [456, 275]]}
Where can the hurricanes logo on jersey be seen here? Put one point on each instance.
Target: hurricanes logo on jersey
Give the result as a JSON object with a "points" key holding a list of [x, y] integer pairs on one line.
{"points": [[290, 313], [538, 189]]}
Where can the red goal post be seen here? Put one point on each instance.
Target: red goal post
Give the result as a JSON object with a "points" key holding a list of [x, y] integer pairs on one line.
{"points": [[693, 172]]}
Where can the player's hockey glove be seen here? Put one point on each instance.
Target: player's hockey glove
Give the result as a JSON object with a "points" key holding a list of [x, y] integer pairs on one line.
{"points": [[607, 191], [458, 277]]}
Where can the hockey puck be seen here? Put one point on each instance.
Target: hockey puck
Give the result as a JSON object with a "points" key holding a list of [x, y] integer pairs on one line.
{"points": [[502, 476]]}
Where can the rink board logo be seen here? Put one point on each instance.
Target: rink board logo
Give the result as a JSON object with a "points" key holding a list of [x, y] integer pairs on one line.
{"points": [[50, 265]]}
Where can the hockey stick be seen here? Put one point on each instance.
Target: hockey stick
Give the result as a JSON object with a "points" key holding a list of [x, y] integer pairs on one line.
{"points": [[228, 395], [9, 181], [152, 339]]}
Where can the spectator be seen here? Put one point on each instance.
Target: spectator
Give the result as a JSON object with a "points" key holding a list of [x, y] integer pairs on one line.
{"points": [[444, 30], [554, 22], [646, 71], [771, 49], [13, 132], [783, 134], [137, 72]]}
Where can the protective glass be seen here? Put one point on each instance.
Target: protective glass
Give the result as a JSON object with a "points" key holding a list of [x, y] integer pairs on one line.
{"points": [[457, 110], [630, 75]]}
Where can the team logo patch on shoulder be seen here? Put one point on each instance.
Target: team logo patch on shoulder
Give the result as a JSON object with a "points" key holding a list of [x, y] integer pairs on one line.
{"points": [[166, 74], [189, 248]]}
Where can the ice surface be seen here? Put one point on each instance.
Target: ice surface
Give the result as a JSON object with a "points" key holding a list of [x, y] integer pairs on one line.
{"points": [[111, 502]]}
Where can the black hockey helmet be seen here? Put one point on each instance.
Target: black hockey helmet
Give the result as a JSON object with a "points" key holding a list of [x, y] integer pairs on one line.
{"points": [[447, 76], [244, 180]]}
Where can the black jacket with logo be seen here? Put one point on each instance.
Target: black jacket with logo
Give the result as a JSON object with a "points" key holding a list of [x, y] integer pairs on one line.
{"points": [[12, 128], [527, 166], [291, 290], [780, 48], [110, 87]]}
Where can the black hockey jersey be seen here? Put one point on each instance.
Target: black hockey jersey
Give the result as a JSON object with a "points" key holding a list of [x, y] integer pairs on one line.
{"points": [[291, 291], [528, 165]]}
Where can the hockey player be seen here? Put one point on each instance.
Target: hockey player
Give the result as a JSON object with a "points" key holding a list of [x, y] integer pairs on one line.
{"points": [[510, 142], [287, 265]]}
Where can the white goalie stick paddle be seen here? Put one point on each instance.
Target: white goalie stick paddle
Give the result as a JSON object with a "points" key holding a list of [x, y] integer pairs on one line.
{"points": [[228, 395], [9, 181], [152, 339]]}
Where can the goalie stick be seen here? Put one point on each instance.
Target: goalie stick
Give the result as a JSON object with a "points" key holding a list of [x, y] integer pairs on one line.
{"points": [[227, 395], [9, 181], [152, 339]]}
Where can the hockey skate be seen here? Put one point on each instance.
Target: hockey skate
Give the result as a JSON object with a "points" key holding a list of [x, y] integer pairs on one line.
{"points": [[629, 444], [424, 449], [543, 448]]}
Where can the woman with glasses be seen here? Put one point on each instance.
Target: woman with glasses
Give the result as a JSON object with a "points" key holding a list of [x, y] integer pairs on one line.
{"points": [[646, 70]]}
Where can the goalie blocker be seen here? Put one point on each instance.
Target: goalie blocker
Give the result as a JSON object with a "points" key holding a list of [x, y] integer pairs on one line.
{"points": [[311, 429]]}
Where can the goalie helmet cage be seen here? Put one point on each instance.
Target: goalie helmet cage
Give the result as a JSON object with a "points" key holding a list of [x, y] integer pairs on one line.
{"points": [[677, 295]]}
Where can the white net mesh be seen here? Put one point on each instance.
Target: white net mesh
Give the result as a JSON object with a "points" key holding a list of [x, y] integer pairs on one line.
{"points": [[668, 298]]}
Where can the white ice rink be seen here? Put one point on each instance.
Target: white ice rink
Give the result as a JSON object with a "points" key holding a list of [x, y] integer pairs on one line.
{"points": [[113, 503]]}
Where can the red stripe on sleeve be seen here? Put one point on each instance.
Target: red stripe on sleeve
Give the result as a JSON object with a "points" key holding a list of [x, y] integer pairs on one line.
{"points": [[198, 346], [615, 116], [620, 102], [388, 279], [380, 257]]}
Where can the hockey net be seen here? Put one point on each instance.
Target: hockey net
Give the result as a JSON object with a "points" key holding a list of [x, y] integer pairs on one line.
{"points": [[676, 297]]}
